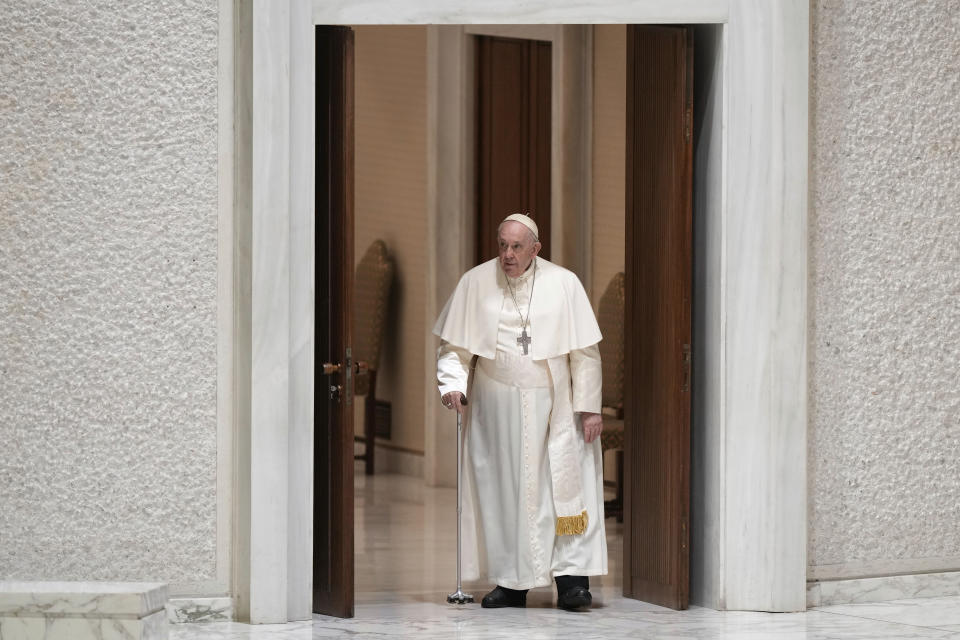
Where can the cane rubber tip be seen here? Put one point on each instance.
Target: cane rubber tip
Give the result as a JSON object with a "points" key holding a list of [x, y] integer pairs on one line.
{"points": [[459, 598]]}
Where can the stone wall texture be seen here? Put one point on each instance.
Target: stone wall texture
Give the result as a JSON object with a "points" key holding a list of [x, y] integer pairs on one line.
{"points": [[108, 239], [884, 442]]}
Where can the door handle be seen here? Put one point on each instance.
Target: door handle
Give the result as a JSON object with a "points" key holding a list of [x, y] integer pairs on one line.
{"points": [[360, 366], [343, 392]]}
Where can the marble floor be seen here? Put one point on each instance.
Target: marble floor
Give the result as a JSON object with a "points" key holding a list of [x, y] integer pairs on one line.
{"points": [[405, 566]]}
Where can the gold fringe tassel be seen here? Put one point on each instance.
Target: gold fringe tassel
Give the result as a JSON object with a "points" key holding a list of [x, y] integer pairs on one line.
{"points": [[572, 525]]}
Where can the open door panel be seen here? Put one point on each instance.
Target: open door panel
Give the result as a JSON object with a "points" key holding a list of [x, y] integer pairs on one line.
{"points": [[658, 256], [333, 393]]}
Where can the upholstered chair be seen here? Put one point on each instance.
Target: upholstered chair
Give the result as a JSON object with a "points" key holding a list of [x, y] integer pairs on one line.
{"points": [[372, 284], [610, 316]]}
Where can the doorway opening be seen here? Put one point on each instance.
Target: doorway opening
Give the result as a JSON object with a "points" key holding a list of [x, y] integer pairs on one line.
{"points": [[391, 188]]}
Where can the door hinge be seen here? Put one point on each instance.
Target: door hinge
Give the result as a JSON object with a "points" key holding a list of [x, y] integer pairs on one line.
{"points": [[687, 123], [685, 361]]}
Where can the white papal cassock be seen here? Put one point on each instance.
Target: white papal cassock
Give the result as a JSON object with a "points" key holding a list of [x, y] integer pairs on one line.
{"points": [[510, 512]]}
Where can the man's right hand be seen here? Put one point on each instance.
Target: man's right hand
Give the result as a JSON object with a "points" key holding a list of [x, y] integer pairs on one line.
{"points": [[454, 400]]}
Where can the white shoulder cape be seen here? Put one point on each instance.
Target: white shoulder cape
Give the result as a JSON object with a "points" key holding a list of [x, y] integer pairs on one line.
{"points": [[561, 318]]}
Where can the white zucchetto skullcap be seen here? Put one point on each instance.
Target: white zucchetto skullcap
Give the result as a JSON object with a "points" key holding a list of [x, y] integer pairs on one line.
{"points": [[526, 221]]}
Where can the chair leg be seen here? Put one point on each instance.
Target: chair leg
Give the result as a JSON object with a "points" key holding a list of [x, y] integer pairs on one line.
{"points": [[370, 423], [614, 508]]}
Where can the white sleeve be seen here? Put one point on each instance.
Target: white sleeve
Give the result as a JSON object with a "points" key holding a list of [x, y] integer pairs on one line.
{"points": [[587, 376], [453, 368]]}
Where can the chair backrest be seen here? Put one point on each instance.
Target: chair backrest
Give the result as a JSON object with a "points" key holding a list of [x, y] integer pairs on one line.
{"points": [[372, 284], [610, 317]]}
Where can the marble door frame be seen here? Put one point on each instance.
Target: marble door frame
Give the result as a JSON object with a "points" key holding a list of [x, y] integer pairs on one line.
{"points": [[752, 528]]}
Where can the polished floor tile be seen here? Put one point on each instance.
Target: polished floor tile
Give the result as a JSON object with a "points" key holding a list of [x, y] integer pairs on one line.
{"points": [[406, 565], [922, 612]]}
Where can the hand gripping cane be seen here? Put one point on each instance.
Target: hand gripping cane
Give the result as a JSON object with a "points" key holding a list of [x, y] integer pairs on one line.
{"points": [[459, 597]]}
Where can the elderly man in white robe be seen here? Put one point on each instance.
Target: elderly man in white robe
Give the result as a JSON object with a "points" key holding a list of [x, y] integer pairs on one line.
{"points": [[519, 344]]}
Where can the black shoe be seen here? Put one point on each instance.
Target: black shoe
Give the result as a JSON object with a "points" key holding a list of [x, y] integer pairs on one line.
{"points": [[573, 592], [503, 597]]}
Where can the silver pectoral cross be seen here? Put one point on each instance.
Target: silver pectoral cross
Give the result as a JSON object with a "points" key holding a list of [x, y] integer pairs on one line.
{"points": [[524, 340]]}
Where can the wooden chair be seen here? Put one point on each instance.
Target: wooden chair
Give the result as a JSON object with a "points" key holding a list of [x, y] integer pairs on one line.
{"points": [[374, 279], [610, 316]]}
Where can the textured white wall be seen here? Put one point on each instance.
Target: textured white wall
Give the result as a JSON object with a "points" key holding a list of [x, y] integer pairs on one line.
{"points": [[884, 351], [108, 238]]}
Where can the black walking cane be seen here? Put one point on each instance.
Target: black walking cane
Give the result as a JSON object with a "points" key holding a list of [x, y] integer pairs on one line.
{"points": [[459, 597]]}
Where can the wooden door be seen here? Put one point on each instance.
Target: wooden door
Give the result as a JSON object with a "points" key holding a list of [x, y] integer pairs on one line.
{"points": [[659, 225], [513, 89], [333, 392]]}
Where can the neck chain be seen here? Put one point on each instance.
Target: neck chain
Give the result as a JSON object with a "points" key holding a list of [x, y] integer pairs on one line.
{"points": [[524, 340]]}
